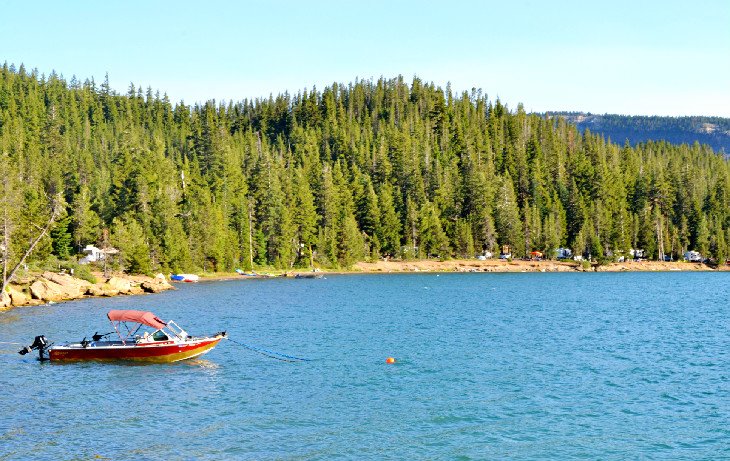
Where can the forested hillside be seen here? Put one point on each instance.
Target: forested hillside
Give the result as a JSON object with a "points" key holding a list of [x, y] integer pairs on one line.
{"points": [[713, 131], [354, 171]]}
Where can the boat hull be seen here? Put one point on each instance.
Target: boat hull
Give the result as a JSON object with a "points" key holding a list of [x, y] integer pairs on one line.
{"points": [[153, 353]]}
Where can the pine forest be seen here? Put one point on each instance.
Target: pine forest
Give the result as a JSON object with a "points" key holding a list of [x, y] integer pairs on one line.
{"points": [[328, 177]]}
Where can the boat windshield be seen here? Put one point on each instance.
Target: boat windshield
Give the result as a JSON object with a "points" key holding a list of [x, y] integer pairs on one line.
{"points": [[159, 335], [175, 329]]}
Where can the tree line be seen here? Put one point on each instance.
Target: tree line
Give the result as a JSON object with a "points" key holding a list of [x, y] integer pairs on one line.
{"points": [[713, 131], [353, 172]]}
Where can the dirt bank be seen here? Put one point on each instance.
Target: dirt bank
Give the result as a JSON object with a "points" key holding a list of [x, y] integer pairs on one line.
{"points": [[473, 265], [496, 265]]}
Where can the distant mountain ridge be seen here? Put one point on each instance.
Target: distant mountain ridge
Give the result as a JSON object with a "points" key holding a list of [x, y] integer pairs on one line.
{"points": [[713, 131]]}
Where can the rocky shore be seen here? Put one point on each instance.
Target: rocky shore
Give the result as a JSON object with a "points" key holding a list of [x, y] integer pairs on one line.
{"points": [[54, 287]]}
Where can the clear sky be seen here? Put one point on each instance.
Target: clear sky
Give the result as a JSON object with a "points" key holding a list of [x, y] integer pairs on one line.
{"points": [[628, 57]]}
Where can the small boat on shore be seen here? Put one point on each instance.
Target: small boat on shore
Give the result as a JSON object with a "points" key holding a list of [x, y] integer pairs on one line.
{"points": [[184, 278], [143, 337]]}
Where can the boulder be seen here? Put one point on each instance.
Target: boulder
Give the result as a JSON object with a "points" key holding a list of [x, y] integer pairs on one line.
{"points": [[65, 279], [107, 290], [17, 296], [123, 286], [25, 279], [156, 285], [152, 287], [49, 291], [76, 287], [94, 290], [4, 300]]}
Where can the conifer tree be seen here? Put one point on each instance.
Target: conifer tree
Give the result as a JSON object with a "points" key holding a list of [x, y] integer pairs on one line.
{"points": [[337, 175], [61, 238], [304, 216], [84, 220], [128, 237], [433, 240], [464, 243], [389, 224], [507, 218]]}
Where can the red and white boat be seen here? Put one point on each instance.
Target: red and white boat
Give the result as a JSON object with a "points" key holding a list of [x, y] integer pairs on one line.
{"points": [[143, 337]]}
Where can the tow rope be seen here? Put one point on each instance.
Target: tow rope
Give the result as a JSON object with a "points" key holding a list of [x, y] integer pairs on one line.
{"points": [[271, 354]]}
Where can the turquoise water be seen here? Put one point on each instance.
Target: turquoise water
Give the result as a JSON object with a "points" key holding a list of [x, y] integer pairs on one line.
{"points": [[490, 366]]}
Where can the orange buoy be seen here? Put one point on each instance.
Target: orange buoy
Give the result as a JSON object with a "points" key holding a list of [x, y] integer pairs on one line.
{"points": [[390, 360]]}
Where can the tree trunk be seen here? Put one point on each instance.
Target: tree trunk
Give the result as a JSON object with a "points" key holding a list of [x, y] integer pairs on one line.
{"points": [[8, 278]]}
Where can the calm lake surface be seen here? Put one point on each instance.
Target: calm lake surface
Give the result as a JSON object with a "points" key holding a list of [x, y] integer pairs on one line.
{"points": [[490, 366]]}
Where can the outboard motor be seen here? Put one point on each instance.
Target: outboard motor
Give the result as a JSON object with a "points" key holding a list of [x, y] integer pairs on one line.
{"points": [[41, 345]]}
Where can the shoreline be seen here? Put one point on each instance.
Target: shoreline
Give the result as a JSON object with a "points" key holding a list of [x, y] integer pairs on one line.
{"points": [[47, 287], [496, 265], [476, 266]]}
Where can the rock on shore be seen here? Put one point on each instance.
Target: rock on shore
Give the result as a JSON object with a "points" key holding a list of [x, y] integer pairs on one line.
{"points": [[53, 287]]}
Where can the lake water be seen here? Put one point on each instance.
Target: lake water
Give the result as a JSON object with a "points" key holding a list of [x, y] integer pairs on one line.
{"points": [[489, 366]]}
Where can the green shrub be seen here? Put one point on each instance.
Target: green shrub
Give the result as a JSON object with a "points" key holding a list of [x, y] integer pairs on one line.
{"points": [[79, 271], [84, 273]]}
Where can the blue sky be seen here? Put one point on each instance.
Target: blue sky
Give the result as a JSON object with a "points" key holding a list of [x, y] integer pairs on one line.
{"points": [[627, 57]]}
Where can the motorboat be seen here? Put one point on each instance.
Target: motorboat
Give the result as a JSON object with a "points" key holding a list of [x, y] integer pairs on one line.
{"points": [[138, 336], [184, 278]]}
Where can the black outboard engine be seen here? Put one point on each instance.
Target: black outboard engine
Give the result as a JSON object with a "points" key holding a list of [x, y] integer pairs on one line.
{"points": [[41, 345]]}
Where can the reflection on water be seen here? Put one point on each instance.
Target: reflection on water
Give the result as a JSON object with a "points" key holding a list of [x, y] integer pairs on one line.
{"points": [[202, 363], [197, 363]]}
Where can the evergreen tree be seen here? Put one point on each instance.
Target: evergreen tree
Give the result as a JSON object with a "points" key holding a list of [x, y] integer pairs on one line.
{"points": [[304, 216], [336, 175], [128, 237], [84, 220], [389, 224], [464, 247], [507, 218], [433, 241], [61, 238]]}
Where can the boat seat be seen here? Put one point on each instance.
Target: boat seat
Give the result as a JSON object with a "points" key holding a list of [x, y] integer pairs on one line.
{"points": [[159, 336]]}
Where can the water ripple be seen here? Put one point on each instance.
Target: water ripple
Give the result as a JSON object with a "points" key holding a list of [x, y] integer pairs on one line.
{"points": [[489, 366]]}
